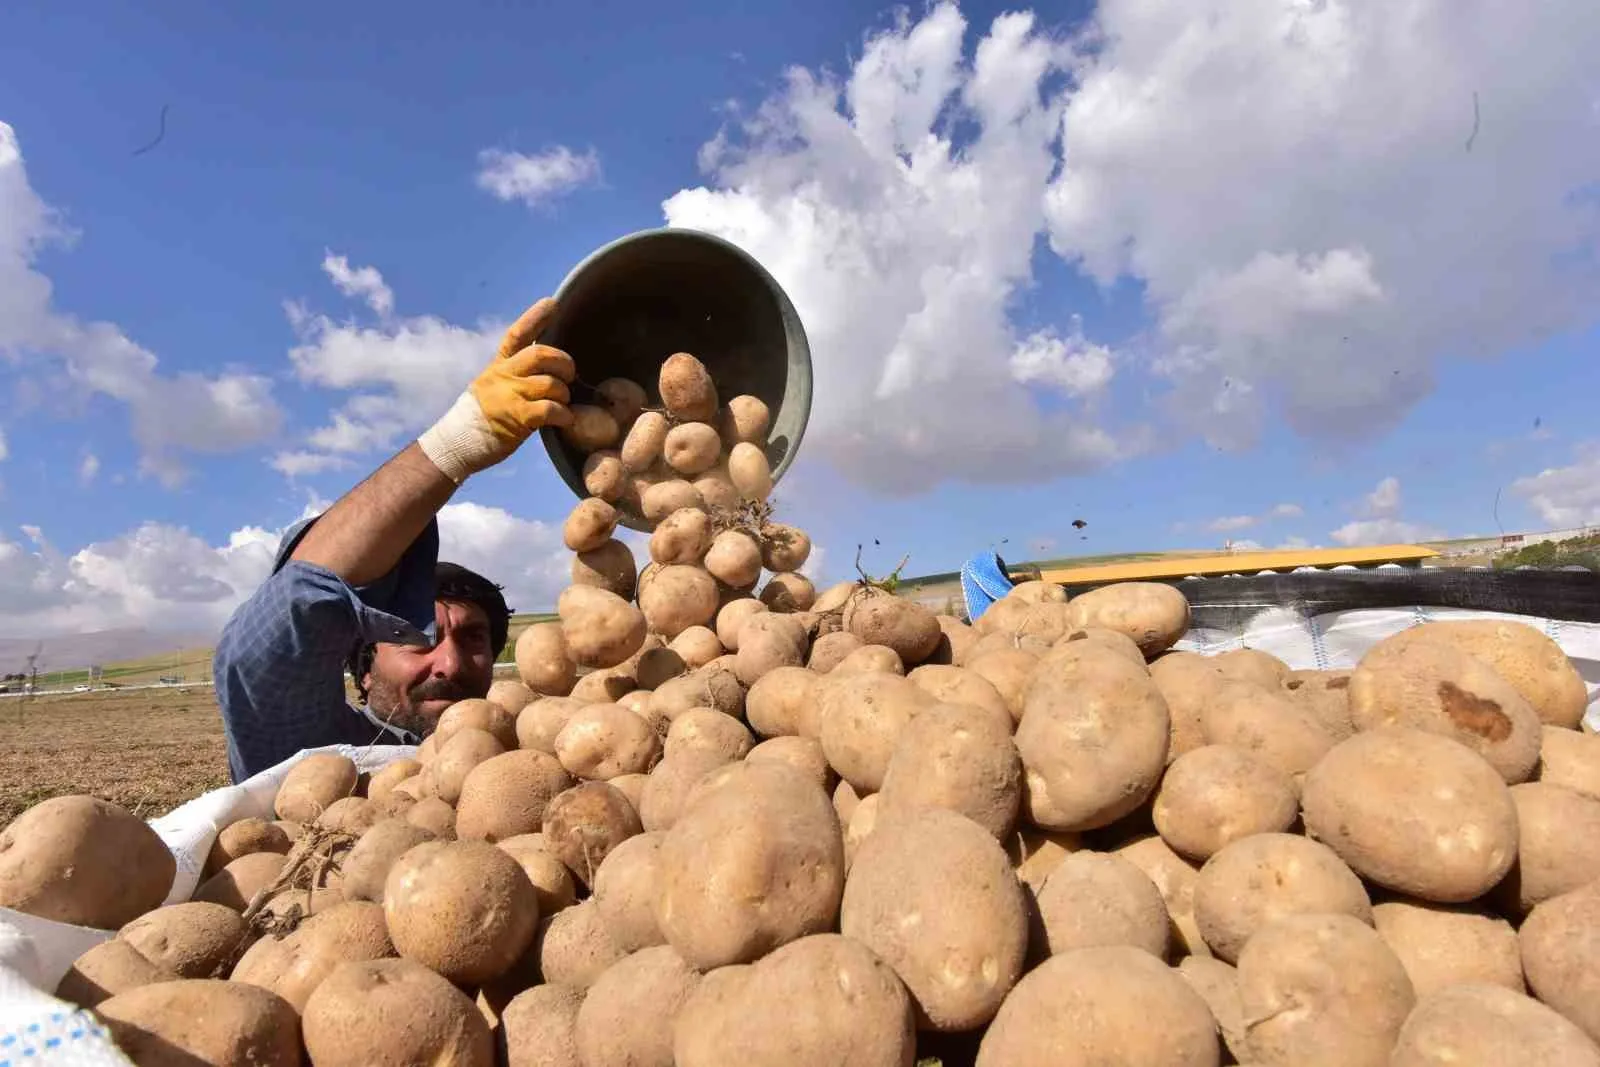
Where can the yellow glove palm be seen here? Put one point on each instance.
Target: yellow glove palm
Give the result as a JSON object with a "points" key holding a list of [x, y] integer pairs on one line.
{"points": [[523, 388]]}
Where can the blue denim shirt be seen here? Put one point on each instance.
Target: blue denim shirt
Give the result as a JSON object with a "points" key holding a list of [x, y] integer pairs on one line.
{"points": [[280, 662]]}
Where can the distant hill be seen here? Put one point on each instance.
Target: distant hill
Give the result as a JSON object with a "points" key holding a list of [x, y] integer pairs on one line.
{"points": [[78, 651]]}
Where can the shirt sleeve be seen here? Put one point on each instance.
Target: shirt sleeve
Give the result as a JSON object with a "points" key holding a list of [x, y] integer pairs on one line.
{"points": [[280, 662]]}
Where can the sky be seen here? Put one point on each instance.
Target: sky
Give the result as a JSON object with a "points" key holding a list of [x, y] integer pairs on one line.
{"points": [[1281, 272]]}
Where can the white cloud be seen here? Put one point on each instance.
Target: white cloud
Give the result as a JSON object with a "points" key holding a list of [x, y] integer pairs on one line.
{"points": [[5, 449], [301, 464], [816, 563], [1245, 545], [363, 283], [88, 468], [1383, 524], [1070, 364], [1384, 501], [1231, 522], [525, 556], [1566, 496], [1286, 511], [1293, 543], [539, 178], [220, 413]]}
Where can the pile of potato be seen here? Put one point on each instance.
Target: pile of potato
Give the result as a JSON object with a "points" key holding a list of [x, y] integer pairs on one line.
{"points": [[709, 827]]}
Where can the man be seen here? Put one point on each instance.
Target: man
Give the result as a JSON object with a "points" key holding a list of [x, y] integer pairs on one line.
{"points": [[360, 585]]}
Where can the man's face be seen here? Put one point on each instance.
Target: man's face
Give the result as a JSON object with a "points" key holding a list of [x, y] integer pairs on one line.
{"points": [[410, 685]]}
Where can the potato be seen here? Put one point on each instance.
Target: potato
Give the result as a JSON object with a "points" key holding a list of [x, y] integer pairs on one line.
{"points": [[1560, 940], [669, 785], [958, 757], [552, 882], [745, 418], [681, 538], [1322, 989], [506, 795], [610, 567], [384, 780], [1153, 614], [663, 498], [603, 741], [1571, 759], [583, 825], [821, 999], [785, 701], [878, 658], [109, 968], [1217, 794], [623, 398], [678, 598], [1218, 985], [1256, 880], [1558, 846], [692, 448], [424, 752], [686, 388], [1051, 623], [829, 650], [540, 722], [1265, 724], [245, 836], [784, 547], [1252, 666], [716, 490], [394, 1012], [367, 865], [601, 629], [604, 686], [659, 665], [709, 687], [464, 909], [480, 714], [731, 887], [1009, 672], [457, 757], [1531, 662], [696, 646], [294, 967], [539, 1028], [804, 754], [352, 815], [731, 619], [312, 784], [1037, 591], [1094, 899], [589, 525], [1415, 812], [591, 428], [1326, 695], [1175, 877], [994, 642], [575, 946], [933, 895], [734, 559], [199, 1020], [845, 800], [788, 593], [863, 820], [191, 940], [604, 476], [1093, 741], [1111, 1005], [767, 641], [644, 443], [1443, 945], [1473, 1025], [956, 685], [862, 719], [1433, 687], [880, 618], [627, 1018], [625, 888], [1037, 853], [749, 471], [704, 729], [435, 816], [237, 884]]}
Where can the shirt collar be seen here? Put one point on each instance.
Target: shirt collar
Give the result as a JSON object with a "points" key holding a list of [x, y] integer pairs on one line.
{"points": [[406, 736]]}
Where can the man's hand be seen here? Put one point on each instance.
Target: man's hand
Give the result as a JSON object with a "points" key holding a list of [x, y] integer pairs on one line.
{"points": [[523, 388]]}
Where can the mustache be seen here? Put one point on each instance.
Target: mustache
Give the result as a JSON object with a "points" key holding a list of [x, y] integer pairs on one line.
{"points": [[438, 689]]}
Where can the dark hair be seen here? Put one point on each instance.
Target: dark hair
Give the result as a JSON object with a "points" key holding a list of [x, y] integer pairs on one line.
{"points": [[451, 581]]}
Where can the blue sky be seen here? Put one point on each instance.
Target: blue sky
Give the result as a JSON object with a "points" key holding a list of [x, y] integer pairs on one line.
{"points": [[1188, 274]]}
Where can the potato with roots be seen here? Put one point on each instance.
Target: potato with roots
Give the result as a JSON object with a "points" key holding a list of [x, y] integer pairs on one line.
{"points": [[1560, 940], [683, 537], [645, 441], [709, 687], [1093, 742], [1558, 846], [821, 999], [663, 498], [692, 448], [604, 475], [686, 389], [933, 895], [627, 1019], [960, 758], [589, 525], [1266, 724], [313, 784], [582, 826], [1481, 1025], [1443, 945], [1101, 1006], [1259, 879], [464, 909], [788, 593], [1322, 989], [610, 567], [745, 418], [601, 629], [749, 471], [1524, 656], [506, 795], [1094, 899], [734, 559], [678, 598], [784, 547], [862, 719], [754, 862], [1153, 614], [880, 618], [393, 1012], [574, 947], [1217, 794], [1415, 812], [539, 1028], [1434, 687], [203, 1020]]}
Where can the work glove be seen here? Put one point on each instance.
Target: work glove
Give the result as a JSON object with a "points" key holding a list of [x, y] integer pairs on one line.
{"points": [[523, 388]]}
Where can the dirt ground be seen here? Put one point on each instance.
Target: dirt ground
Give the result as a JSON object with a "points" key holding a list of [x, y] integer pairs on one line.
{"points": [[148, 750]]}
